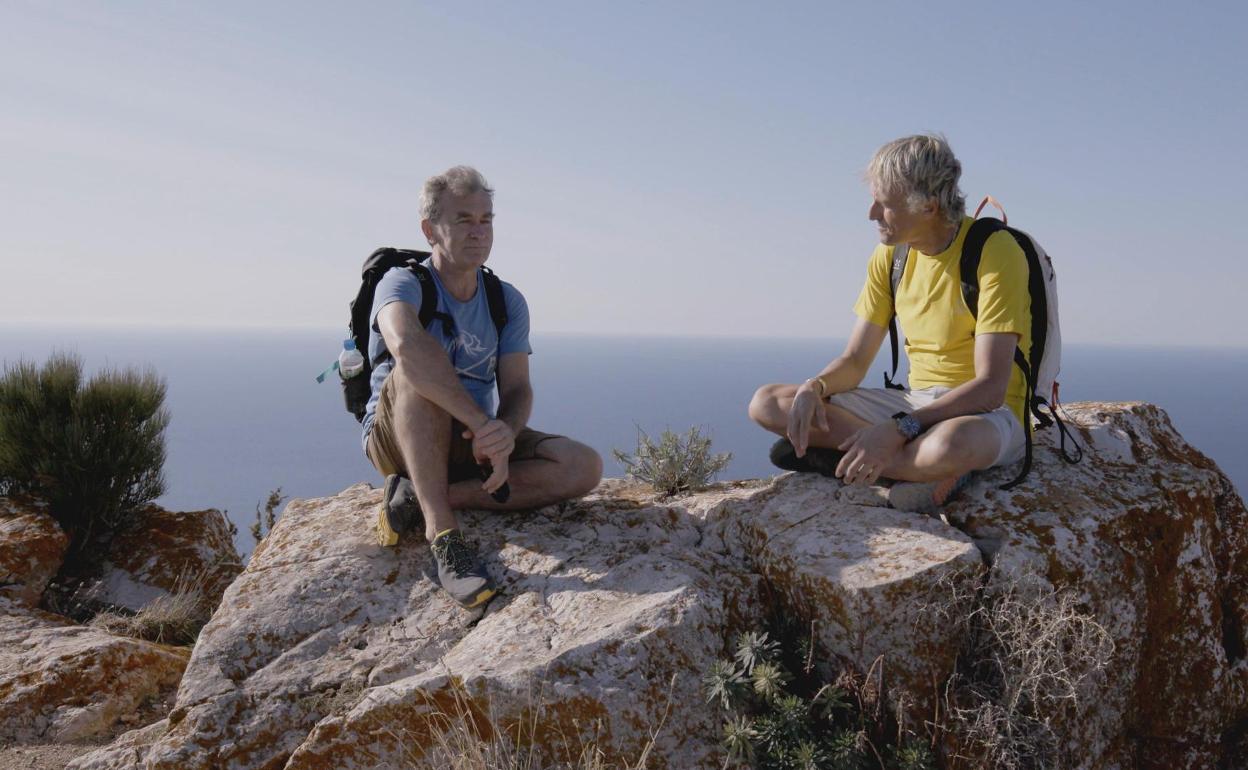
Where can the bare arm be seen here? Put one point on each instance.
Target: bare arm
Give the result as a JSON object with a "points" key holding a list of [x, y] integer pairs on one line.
{"points": [[422, 362], [844, 373], [994, 362], [515, 392], [847, 371]]}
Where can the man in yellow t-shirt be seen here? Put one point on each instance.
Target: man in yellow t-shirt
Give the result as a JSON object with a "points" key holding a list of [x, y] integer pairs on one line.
{"points": [[963, 409]]}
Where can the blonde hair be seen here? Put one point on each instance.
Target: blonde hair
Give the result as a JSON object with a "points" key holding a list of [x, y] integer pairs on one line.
{"points": [[459, 180], [922, 168]]}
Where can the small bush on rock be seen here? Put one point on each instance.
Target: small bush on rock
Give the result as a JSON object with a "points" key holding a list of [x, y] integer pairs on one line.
{"points": [[676, 463], [266, 515], [93, 450]]}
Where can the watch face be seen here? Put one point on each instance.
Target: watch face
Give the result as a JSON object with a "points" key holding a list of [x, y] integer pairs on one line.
{"points": [[909, 426]]}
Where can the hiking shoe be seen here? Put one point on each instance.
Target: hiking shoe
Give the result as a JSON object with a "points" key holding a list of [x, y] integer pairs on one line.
{"points": [[461, 573], [925, 496], [399, 511], [817, 460]]}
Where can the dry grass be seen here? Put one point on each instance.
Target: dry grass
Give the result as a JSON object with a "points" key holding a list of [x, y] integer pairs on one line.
{"points": [[175, 618], [1032, 660], [466, 739]]}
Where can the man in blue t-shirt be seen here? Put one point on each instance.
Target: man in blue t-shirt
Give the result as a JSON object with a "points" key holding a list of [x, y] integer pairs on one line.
{"points": [[431, 425]]}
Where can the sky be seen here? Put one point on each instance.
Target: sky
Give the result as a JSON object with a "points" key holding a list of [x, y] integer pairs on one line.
{"points": [[662, 168]]}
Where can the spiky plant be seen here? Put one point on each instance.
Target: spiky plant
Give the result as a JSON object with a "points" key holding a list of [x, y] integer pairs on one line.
{"points": [[830, 701], [844, 752], [808, 756], [724, 683], [753, 648], [739, 737], [915, 755], [769, 681]]}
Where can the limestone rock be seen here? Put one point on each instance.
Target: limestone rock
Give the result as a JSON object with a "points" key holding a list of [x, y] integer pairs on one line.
{"points": [[331, 652], [32, 547], [160, 549], [1153, 540], [64, 682], [863, 575]]}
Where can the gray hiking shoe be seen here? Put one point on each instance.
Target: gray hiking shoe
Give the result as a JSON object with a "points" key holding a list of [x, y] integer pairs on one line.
{"points": [[817, 459], [399, 511], [925, 496], [461, 573]]}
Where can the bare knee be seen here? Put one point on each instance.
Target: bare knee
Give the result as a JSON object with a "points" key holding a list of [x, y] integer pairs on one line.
{"points": [[588, 471], [766, 409], [579, 467], [408, 402], [951, 452]]}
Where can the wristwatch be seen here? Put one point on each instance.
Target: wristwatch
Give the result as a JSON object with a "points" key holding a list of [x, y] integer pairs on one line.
{"points": [[907, 425]]}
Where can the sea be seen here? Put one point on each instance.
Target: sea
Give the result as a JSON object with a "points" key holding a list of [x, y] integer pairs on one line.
{"points": [[248, 417]]}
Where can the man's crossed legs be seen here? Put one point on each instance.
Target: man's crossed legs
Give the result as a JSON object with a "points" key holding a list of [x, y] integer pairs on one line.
{"points": [[415, 439], [939, 458]]}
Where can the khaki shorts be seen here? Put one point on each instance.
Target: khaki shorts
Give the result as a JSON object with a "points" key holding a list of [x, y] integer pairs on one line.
{"points": [[876, 405], [383, 450]]}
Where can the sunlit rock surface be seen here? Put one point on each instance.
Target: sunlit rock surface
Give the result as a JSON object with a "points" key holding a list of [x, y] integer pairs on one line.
{"points": [[63, 682]]}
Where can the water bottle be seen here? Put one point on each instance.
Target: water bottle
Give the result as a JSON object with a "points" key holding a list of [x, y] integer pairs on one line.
{"points": [[356, 389], [350, 361]]}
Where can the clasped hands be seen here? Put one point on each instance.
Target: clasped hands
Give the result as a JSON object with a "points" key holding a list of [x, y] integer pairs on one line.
{"points": [[868, 451], [492, 442]]}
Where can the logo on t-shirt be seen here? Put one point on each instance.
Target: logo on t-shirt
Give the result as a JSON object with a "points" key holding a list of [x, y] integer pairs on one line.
{"points": [[466, 352], [468, 342]]}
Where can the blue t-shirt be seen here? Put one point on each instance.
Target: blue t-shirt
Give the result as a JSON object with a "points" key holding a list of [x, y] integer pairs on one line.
{"points": [[473, 349]]}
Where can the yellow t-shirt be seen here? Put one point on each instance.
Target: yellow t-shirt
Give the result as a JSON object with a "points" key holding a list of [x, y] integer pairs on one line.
{"points": [[939, 329]]}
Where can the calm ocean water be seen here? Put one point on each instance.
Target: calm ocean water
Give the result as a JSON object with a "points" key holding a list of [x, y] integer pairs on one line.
{"points": [[248, 417]]}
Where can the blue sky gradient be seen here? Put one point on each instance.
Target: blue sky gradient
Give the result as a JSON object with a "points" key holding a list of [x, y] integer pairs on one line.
{"points": [[684, 168]]}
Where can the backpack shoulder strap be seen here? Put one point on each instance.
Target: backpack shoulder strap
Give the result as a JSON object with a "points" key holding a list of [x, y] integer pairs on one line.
{"points": [[972, 251], [494, 297], [428, 293], [901, 254]]}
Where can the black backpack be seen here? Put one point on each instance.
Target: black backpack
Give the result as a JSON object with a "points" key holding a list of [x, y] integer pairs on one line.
{"points": [[358, 390]]}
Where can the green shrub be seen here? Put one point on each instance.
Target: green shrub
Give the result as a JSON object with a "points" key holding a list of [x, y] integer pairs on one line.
{"points": [[92, 450], [777, 715], [675, 464]]}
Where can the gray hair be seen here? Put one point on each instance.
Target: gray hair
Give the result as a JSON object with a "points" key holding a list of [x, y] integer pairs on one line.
{"points": [[460, 180], [922, 168]]}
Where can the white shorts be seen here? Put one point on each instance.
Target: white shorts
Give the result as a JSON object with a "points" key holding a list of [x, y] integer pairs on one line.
{"points": [[875, 405]]}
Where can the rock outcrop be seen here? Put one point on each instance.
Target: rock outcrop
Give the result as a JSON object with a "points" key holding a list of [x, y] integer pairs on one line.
{"points": [[61, 681], [32, 547], [64, 682], [330, 652], [163, 552], [1153, 540]]}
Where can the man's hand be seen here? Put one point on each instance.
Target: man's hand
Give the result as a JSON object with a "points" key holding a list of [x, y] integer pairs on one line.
{"points": [[492, 443], [807, 409], [492, 439], [868, 452], [497, 478]]}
